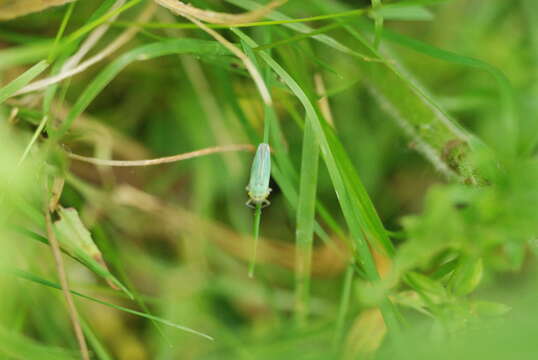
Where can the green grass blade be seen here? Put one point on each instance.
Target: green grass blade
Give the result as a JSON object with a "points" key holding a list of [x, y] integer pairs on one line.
{"points": [[36, 279], [304, 233], [378, 21], [256, 236], [61, 31], [8, 90], [344, 306], [95, 23], [79, 256], [146, 52], [25, 54], [94, 342]]}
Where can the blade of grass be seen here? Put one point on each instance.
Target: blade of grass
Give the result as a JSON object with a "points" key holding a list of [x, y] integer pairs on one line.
{"points": [[344, 306], [146, 52], [63, 25], [378, 21], [38, 280], [79, 256], [95, 343], [26, 54], [304, 233], [256, 236], [95, 23], [8, 90]]}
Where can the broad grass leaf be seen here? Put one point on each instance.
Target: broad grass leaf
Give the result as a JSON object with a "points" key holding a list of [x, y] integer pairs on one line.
{"points": [[77, 241]]}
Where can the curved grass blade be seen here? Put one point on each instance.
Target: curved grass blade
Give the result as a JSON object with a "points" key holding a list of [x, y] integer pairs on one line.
{"points": [[146, 52], [36, 279], [78, 255], [8, 90]]}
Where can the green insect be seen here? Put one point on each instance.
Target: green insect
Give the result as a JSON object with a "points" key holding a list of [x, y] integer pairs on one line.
{"points": [[258, 187]]}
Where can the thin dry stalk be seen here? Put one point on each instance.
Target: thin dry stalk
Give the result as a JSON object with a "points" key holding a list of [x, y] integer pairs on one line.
{"points": [[328, 260], [91, 40], [163, 160], [207, 98], [180, 8], [191, 14], [73, 315], [251, 68]]}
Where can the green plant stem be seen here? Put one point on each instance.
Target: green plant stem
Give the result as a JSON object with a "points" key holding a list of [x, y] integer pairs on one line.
{"points": [[257, 222], [344, 306], [306, 211]]}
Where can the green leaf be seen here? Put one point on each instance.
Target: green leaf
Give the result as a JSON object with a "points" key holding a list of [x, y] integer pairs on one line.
{"points": [[306, 211], [434, 291], [76, 240], [8, 90], [466, 277]]}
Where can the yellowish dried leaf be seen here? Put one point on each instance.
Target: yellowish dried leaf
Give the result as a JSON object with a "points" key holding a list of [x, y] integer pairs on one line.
{"points": [[365, 335], [10, 9], [181, 8]]}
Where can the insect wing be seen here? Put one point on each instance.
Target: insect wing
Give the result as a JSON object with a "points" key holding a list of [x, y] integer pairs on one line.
{"points": [[261, 169]]}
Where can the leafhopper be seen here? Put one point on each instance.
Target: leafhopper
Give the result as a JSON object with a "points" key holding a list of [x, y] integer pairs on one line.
{"points": [[258, 187]]}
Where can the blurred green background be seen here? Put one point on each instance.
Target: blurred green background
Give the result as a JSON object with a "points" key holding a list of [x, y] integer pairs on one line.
{"points": [[415, 239]]}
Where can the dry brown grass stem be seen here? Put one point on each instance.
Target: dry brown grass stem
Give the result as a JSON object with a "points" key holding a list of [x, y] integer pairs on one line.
{"points": [[121, 40], [163, 160], [180, 8], [57, 254], [193, 15]]}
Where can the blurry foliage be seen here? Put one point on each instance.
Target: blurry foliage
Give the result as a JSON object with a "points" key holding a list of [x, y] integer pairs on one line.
{"points": [[454, 80]]}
